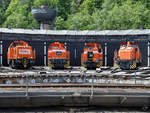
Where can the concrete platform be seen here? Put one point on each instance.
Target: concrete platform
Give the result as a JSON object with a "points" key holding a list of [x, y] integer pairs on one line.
{"points": [[116, 97]]}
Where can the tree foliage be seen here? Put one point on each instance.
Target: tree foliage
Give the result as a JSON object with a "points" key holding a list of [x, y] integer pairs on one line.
{"points": [[3, 6], [79, 14]]}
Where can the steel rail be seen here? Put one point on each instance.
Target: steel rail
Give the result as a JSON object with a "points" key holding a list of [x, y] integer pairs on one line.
{"points": [[75, 85]]}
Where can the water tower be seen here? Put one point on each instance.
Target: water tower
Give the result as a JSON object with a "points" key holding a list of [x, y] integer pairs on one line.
{"points": [[45, 16]]}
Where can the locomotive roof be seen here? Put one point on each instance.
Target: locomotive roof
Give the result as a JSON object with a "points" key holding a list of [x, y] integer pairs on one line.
{"points": [[97, 44], [75, 32], [57, 43]]}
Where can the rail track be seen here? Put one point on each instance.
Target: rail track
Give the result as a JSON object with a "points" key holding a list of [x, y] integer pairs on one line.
{"points": [[71, 85], [104, 75]]}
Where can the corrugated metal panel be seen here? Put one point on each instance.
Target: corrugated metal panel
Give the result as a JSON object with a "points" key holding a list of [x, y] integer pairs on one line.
{"points": [[75, 32]]}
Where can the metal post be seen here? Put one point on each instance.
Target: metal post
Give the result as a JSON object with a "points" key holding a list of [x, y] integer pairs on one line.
{"points": [[1, 53], [92, 85], [75, 53], [148, 60], [105, 54], [135, 76], [45, 54], [27, 85]]}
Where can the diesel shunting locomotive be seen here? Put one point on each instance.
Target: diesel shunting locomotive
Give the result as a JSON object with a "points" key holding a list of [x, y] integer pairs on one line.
{"points": [[58, 56], [20, 55], [128, 56], [92, 56]]}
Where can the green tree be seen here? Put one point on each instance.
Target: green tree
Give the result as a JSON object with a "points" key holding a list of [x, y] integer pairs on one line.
{"points": [[50, 3], [79, 21], [91, 5], [79, 14], [127, 16], [60, 23], [19, 14], [3, 6]]}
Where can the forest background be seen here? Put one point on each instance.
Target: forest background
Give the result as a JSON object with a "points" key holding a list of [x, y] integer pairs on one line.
{"points": [[79, 14]]}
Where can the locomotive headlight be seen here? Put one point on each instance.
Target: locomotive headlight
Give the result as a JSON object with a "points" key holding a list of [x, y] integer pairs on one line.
{"points": [[91, 55], [30, 56], [18, 56]]}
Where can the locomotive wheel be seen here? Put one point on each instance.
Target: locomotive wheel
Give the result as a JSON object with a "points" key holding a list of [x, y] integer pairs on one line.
{"points": [[67, 64], [84, 65], [13, 64], [100, 64], [133, 65], [25, 64], [50, 64], [116, 65]]}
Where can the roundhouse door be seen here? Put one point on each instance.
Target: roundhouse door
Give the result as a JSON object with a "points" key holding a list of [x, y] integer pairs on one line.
{"points": [[75, 53]]}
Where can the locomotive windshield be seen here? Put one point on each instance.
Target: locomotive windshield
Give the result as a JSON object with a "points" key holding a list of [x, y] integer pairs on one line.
{"points": [[123, 45], [89, 46], [16, 44], [133, 46], [54, 46]]}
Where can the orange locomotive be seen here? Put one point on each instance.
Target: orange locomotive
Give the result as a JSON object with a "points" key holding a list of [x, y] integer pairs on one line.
{"points": [[92, 55], [129, 56], [20, 54], [58, 56]]}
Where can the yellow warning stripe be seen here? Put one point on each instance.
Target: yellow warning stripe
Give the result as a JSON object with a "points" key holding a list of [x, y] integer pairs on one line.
{"points": [[133, 65]]}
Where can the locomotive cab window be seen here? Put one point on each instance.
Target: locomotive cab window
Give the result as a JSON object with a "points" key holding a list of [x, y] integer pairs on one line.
{"points": [[89, 46], [124, 46], [54, 46], [16, 44], [133, 46]]}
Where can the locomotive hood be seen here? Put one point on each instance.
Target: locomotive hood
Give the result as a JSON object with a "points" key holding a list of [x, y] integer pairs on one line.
{"points": [[127, 53]]}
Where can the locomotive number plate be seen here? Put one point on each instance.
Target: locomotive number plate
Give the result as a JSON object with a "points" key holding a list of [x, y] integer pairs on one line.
{"points": [[24, 51], [58, 53]]}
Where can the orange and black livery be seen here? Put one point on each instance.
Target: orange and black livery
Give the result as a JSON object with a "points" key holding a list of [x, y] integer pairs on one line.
{"points": [[92, 56], [58, 56], [128, 56], [20, 55]]}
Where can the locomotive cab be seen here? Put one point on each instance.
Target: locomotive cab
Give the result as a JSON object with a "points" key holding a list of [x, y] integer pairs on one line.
{"points": [[92, 56]]}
